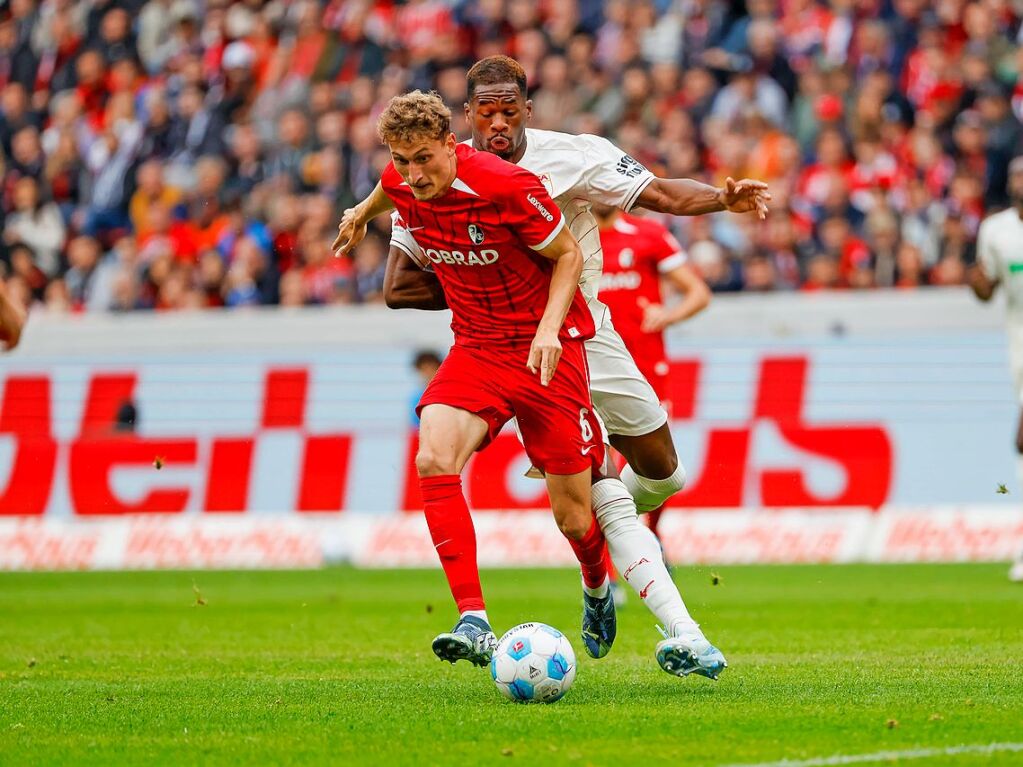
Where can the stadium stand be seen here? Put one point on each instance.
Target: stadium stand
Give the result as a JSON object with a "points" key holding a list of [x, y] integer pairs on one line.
{"points": [[174, 154]]}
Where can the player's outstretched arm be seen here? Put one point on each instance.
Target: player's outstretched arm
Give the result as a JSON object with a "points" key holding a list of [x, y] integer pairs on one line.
{"points": [[567, 256], [406, 286], [354, 221], [12, 320], [688, 197]]}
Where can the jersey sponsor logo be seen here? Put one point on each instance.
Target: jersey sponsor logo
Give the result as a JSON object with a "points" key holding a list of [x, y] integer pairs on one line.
{"points": [[540, 207], [458, 258], [476, 234], [628, 166], [626, 258], [620, 281]]}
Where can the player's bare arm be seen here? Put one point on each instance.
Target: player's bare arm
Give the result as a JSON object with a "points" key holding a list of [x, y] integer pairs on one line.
{"points": [[982, 286], [12, 320], [688, 197], [406, 286], [352, 229], [695, 298], [545, 351]]}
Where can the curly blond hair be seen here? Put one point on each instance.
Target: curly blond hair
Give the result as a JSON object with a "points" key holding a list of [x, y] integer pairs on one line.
{"points": [[413, 117]]}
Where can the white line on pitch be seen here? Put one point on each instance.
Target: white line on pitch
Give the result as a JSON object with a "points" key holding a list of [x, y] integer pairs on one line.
{"points": [[888, 756]]}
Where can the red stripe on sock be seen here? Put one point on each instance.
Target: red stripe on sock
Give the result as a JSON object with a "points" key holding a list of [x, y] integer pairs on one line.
{"points": [[589, 550], [453, 534]]}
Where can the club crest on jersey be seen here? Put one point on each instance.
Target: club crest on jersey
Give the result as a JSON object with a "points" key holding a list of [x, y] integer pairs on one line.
{"points": [[476, 234]]}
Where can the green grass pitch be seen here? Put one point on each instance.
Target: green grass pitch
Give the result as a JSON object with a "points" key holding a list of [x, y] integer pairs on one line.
{"points": [[335, 667]]}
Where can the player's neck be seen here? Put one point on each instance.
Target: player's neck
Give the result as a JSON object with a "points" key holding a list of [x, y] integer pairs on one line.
{"points": [[520, 152]]}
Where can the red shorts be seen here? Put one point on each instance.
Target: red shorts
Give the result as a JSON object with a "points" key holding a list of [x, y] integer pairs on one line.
{"points": [[559, 429]]}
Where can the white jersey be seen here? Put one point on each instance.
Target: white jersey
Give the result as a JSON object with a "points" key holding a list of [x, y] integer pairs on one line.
{"points": [[1000, 254], [575, 170]]}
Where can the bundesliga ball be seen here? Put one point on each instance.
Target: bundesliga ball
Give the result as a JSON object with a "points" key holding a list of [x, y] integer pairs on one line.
{"points": [[533, 663]]}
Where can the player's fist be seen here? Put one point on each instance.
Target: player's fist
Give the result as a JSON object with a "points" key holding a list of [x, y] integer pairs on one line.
{"points": [[350, 232], [745, 196], [655, 317], [544, 355]]}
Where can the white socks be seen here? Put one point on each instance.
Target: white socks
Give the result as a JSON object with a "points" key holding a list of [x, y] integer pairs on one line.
{"points": [[637, 555], [601, 591], [650, 494], [481, 614]]}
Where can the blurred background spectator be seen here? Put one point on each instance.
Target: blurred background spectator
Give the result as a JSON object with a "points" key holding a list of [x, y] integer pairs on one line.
{"points": [[178, 154]]}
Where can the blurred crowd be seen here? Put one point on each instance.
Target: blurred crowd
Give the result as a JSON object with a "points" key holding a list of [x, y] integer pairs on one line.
{"points": [[180, 154]]}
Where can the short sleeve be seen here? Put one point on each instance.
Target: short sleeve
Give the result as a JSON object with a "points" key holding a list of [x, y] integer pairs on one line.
{"points": [[987, 256], [670, 254], [610, 175], [402, 239], [528, 209]]}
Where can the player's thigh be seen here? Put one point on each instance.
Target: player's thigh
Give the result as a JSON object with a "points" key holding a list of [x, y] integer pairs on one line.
{"points": [[570, 501], [625, 400], [447, 438], [560, 431]]}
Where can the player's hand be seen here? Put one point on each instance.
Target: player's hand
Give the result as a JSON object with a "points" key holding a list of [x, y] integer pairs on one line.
{"points": [[745, 196], [349, 233], [655, 317], [544, 355], [12, 319]]}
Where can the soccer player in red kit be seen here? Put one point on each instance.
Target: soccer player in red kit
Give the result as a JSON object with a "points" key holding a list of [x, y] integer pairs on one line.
{"points": [[638, 254], [510, 270]]}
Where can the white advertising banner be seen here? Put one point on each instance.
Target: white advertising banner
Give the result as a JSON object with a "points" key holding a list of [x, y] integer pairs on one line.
{"points": [[507, 539], [281, 422]]}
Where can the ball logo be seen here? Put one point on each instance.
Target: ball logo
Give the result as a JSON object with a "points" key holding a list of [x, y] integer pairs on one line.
{"points": [[476, 234], [517, 646]]}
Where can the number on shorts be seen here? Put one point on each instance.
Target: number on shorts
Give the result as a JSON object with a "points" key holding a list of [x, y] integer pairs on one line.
{"points": [[584, 425]]}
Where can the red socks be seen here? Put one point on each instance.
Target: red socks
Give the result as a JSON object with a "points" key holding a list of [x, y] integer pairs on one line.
{"points": [[454, 537], [590, 550], [653, 518]]}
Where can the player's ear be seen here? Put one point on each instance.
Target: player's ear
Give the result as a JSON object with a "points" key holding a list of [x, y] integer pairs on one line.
{"points": [[468, 112], [529, 109], [450, 143]]}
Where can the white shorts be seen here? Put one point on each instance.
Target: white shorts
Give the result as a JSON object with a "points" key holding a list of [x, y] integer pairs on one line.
{"points": [[1015, 334], [622, 397]]}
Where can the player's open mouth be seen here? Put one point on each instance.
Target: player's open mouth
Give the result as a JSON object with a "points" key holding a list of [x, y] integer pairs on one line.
{"points": [[499, 143]]}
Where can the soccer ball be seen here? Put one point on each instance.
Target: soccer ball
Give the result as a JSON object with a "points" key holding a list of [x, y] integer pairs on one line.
{"points": [[533, 663]]}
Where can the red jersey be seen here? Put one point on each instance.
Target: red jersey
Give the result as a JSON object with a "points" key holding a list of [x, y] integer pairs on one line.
{"points": [[481, 238], [637, 251]]}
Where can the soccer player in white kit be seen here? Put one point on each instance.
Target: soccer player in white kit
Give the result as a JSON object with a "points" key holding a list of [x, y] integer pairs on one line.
{"points": [[1000, 262], [577, 170]]}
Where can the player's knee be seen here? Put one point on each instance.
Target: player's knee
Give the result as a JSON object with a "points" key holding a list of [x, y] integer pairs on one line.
{"points": [[575, 525], [663, 465], [430, 464]]}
